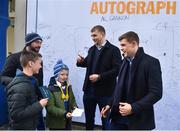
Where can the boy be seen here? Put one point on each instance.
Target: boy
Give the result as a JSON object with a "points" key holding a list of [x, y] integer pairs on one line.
{"points": [[23, 104], [62, 102]]}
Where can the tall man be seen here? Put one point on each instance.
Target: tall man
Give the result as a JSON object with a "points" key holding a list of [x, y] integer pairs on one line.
{"points": [[138, 88], [12, 65], [102, 64]]}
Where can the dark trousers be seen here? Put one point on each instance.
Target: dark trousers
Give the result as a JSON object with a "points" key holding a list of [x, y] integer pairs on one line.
{"points": [[115, 125], [90, 101], [41, 125]]}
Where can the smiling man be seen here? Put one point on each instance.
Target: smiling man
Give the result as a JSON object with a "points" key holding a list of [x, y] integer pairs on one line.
{"points": [[12, 66], [138, 88], [102, 64], [33, 43]]}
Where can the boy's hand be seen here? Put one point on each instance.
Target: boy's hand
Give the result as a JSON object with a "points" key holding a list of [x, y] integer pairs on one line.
{"points": [[68, 115], [75, 107], [43, 102]]}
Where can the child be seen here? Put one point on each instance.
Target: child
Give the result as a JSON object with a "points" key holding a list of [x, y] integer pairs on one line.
{"points": [[23, 104], [62, 100]]}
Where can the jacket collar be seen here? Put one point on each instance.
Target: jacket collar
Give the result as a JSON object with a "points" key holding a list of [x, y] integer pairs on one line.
{"points": [[107, 45], [135, 62]]}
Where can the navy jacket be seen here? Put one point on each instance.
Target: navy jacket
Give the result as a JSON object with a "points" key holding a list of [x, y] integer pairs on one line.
{"points": [[144, 92], [107, 66]]}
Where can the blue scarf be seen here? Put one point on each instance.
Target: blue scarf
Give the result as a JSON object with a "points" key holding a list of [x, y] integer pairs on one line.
{"points": [[121, 86]]}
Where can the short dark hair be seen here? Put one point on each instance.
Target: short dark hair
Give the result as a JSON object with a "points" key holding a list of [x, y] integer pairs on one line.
{"points": [[130, 37], [27, 56], [99, 28]]}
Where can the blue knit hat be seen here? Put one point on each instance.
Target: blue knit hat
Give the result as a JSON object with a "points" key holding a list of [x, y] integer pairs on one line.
{"points": [[59, 66], [31, 37]]}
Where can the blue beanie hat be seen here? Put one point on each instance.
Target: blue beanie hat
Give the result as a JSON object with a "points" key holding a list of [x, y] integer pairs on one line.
{"points": [[58, 67], [31, 37]]}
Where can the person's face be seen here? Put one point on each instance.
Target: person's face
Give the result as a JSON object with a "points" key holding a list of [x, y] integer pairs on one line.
{"points": [[35, 45], [97, 37], [63, 75], [128, 48], [36, 65]]}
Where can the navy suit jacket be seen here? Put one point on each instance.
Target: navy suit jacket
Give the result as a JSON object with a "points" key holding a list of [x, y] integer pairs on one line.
{"points": [[145, 90], [107, 66]]}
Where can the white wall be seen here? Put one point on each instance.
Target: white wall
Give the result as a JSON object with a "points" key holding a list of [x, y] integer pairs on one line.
{"points": [[65, 26]]}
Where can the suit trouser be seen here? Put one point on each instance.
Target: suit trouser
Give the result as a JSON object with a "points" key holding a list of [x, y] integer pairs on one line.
{"points": [[114, 125], [90, 101]]}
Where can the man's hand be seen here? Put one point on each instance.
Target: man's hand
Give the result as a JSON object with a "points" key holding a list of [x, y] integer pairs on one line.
{"points": [[94, 77], [125, 109], [80, 59], [104, 111]]}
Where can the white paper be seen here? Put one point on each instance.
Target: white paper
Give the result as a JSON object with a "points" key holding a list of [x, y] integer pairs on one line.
{"points": [[77, 112]]}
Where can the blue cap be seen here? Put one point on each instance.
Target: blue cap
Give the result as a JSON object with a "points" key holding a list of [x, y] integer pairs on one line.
{"points": [[59, 66], [31, 37]]}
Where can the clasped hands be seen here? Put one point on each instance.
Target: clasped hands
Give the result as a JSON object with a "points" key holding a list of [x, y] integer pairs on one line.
{"points": [[125, 109]]}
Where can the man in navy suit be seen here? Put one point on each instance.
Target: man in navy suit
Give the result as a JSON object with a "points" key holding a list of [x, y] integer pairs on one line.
{"points": [[138, 88], [102, 65]]}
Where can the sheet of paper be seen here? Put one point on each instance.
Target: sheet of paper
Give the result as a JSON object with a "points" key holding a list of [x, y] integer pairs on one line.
{"points": [[77, 112]]}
